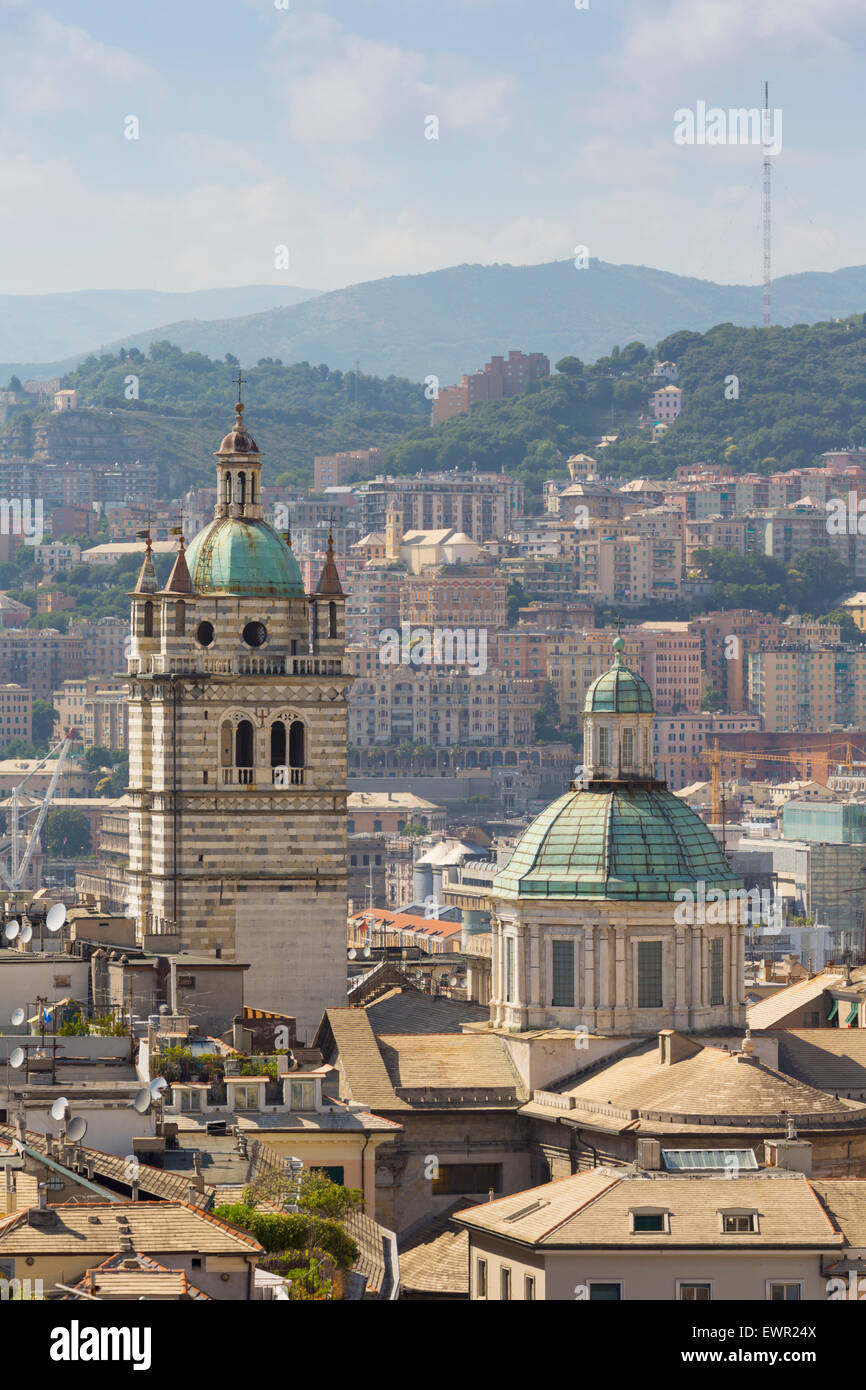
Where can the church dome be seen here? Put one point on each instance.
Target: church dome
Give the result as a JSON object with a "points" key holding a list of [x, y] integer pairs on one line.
{"points": [[245, 557], [619, 690], [238, 441], [632, 842]]}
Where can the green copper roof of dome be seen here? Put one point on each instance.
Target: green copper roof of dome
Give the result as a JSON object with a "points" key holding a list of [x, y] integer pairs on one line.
{"points": [[619, 690], [234, 556], [635, 842]]}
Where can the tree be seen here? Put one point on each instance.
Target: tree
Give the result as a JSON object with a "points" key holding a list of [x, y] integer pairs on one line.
{"points": [[44, 719], [713, 700], [66, 833]]}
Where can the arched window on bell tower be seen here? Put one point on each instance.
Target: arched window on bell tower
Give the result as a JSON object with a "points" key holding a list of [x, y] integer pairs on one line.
{"points": [[278, 744], [147, 629], [296, 744], [180, 619], [332, 620], [242, 488], [244, 744], [227, 486]]}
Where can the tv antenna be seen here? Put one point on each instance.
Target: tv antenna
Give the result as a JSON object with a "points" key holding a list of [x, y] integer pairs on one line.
{"points": [[767, 188]]}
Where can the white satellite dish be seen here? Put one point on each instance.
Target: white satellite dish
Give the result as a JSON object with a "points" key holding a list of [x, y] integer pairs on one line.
{"points": [[26, 933], [55, 917], [352, 953], [11, 930], [141, 1104], [77, 1129], [60, 1109], [157, 1087], [16, 1058], [17, 1017]]}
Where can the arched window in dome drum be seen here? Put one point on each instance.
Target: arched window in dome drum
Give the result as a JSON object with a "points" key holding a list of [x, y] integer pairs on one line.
{"points": [[147, 630], [244, 744], [628, 748], [278, 743], [332, 619], [252, 487], [242, 488], [296, 744], [180, 620]]}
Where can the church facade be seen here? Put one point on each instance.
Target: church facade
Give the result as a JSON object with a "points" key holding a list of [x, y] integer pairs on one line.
{"points": [[237, 734]]}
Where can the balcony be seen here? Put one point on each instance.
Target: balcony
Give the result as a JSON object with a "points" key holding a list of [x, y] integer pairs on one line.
{"points": [[239, 776]]}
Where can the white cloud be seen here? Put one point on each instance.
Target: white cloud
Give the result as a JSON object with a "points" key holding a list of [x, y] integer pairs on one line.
{"points": [[342, 89], [50, 66]]}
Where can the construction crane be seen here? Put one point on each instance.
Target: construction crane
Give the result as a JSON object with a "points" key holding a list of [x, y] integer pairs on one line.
{"points": [[793, 757], [13, 875]]}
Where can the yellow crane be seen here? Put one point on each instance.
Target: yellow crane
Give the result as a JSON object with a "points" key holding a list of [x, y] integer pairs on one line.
{"points": [[793, 757]]}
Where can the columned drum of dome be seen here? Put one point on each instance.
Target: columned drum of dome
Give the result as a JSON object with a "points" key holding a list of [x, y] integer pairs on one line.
{"points": [[601, 919]]}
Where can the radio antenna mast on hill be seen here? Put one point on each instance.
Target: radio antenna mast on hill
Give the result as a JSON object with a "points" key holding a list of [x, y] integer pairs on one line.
{"points": [[766, 142]]}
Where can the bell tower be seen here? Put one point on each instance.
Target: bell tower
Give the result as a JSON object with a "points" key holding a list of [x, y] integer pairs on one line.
{"points": [[237, 731]]}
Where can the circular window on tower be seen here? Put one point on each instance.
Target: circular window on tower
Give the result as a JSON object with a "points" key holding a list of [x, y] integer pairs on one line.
{"points": [[255, 634], [204, 634]]}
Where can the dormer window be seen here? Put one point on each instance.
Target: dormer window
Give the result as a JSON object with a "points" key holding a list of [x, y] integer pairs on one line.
{"points": [[739, 1223], [302, 1094], [646, 1220]]}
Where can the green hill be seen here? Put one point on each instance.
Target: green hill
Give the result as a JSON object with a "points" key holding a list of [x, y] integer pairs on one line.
{"points": [[452, 321], [185, 407]]}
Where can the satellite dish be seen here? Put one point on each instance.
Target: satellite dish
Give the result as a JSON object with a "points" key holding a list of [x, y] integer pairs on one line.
{"points": [[26, 933], [16, 1058], [17, 1017], [55, 917], [60, 1108], [141, 1104], [352, 953], [77, 1129], [157, 1087], [11, 930]]}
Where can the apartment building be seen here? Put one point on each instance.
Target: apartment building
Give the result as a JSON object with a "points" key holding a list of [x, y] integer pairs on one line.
{"points": [[682, 743], [500, 377], [715, 533], [482, 505], [333, 470], [798, 687], [402, 704], [373, 604], [666, 403], [105, 644], [521, 652], [447, 601], [16, 714], [97, 709], [669, 659], [57, 555], [41, 660], [630, 568]]}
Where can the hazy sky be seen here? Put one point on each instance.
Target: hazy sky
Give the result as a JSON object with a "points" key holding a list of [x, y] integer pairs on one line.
{"points": [[261, 127]]}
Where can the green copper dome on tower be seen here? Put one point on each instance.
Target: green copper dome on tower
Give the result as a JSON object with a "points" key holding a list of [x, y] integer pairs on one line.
{"points": [[239, 556], [619, 690], [239, 553]]}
